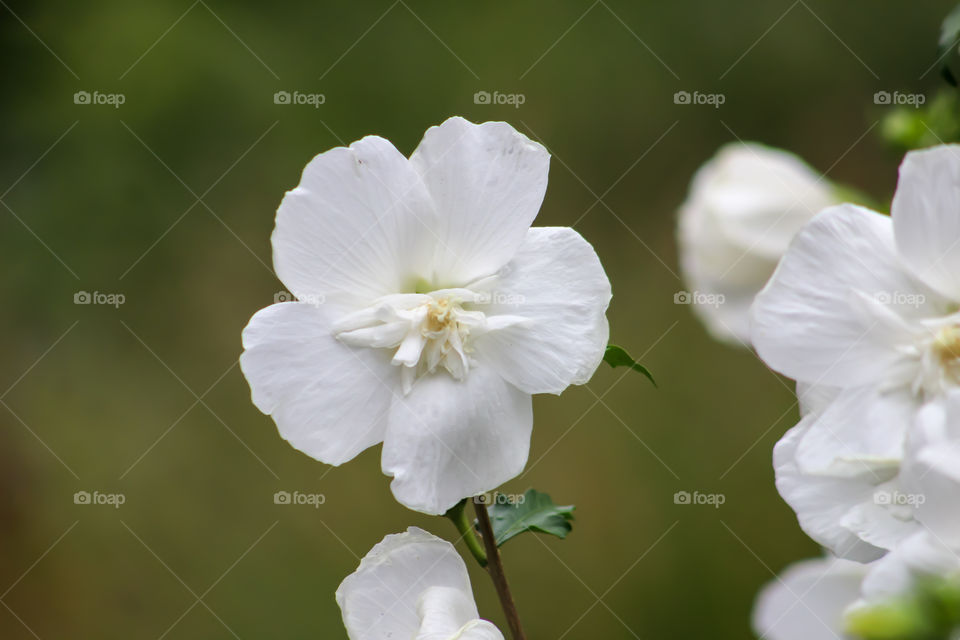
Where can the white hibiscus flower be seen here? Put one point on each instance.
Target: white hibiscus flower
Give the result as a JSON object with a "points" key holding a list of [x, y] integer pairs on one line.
{"points": [[429, 310], [867, 306], [744, 207], [808, 600], [413, 586]]}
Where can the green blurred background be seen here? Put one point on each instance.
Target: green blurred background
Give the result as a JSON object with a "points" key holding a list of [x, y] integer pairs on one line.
{"points": [[169, 200]]}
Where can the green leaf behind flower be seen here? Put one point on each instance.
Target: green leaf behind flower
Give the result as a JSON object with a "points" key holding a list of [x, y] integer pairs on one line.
{"points": [[536, 512], [617, 357]]}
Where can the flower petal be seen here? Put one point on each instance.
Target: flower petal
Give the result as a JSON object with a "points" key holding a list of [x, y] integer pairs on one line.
{"points": [[808, 599], [925, 218], [863, 431], [488, 182], [479, 630], [820, 502], [555, 282], [449, 614], [357, 227], [448, 439], [442, 612], [817, 319], [328, 400], [815, 398], [920, 556], [932, 469], [381, 599]]}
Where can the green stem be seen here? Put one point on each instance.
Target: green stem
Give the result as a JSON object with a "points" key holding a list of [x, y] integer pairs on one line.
{"points": [[495, 569], [464, 524]]}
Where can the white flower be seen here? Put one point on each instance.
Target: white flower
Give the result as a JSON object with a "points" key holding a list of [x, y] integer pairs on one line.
{"points": [[412, 586], [744, 207], [866, 305], [931, 478], [808, 600], [429, 310]]}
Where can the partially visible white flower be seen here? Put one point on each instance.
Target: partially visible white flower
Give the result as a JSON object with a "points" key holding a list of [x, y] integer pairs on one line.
{"points": [[931, 475], [819, 598], [412, 586], [744, 207], [808, 599], [866, 305], [853, 505], [429, 310]]}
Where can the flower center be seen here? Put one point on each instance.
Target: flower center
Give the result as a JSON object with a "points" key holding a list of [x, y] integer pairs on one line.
{"points": [[429, 331], [939, 361], [946, 344]]}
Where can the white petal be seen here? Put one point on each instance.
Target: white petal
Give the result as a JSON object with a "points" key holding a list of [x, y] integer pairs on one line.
{"points": [[932, 470], [379, 601], [760, 196], [449, 614], [863, 431], [808, 599], [821, 502], [920, 556], [885, 520], [925, 216], [810, 321], [815, 398], [557, 283], [443, 611], [448, 439], [356, 228], [479, 630], [328, 400], [488, 182]]}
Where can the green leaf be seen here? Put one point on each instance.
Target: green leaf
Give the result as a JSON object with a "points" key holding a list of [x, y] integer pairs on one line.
{"points": [[535, 512], [949, 35], [617, 357]]}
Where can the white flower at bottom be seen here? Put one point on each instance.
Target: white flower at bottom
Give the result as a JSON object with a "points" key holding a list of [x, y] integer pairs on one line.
{"points": [[819, 598], [807, 601], [744, 207], [412, 586], [429, 310]]}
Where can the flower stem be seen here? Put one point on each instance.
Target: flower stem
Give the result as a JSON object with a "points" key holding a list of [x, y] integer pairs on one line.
{"points": [[495, 568], [458, 515]]}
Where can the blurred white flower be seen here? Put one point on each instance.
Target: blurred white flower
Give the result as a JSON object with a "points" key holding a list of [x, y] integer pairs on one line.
{"points": [[866, 305], [808, 599], [429, 310], [413, 586], [744, 207]]}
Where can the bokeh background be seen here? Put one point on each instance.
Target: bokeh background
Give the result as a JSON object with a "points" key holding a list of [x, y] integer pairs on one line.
{"points": [[168, 200]]}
